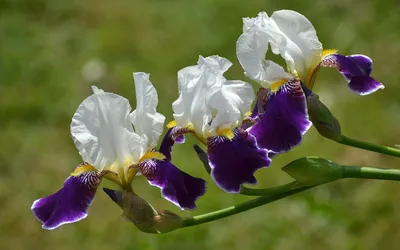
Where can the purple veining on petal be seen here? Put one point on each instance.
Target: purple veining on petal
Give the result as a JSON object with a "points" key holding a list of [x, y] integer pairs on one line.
{"points": [[285, 120], [176, 186], [174, 135], [234, 162], [356, 70], [69, 204]]}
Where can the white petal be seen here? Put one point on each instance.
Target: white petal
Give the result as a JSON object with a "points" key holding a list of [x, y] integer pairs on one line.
{"points": [[274, 72], [205, 93], [231, 102], [148, 123], [102, 131], [251, 49], [190, 107], [215, 63], [289, 33], [299, 44]]}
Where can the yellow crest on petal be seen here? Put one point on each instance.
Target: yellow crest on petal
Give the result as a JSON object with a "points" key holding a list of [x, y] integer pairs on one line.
{"points": [[83, 168], [152, 155], [276, 85], [171, 124], [327, 52], [247, 114], [228, 133]]}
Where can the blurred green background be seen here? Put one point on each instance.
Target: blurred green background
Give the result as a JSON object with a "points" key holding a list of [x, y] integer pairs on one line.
{"points": [[52, 51]]}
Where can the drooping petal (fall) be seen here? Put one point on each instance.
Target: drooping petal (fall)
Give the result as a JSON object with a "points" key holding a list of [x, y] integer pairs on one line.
{"points": [[356, 69], [70, 203], [148, 123], [103, 133], [285, 118], [176, 186], [234, 162]]}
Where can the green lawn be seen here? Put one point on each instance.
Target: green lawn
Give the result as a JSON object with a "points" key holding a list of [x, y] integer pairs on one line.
{"points": [[52, 51]]}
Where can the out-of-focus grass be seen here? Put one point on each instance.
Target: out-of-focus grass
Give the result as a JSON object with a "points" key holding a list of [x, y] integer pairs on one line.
{"points": [[51, 52]]}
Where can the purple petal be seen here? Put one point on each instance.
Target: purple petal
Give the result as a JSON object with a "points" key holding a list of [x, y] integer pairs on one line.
{"points": [[234, 162], [69, 204], [364, 62], [357, 68], [174, 135], [285, 120], [176, 186], [364, 85]]}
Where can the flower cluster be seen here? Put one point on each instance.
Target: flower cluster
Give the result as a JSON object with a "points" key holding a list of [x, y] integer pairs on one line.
{"points": [[118, 144]]}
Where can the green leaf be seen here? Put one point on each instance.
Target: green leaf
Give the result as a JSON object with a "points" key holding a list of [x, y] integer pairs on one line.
{"points": [[311, 171]]}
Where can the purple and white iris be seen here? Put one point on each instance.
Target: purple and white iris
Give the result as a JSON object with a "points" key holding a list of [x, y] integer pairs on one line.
{"points": [[213, 109], [281, 109], [117, 144]]}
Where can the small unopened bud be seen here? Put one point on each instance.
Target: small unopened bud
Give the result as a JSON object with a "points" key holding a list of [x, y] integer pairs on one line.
{"points": [[311, 171], [145, 217], [322, 118]]}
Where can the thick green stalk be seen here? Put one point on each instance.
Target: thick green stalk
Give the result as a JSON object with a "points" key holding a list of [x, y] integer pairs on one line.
{"points": [[368, 146], [219, 214], [288, 190], [371, 173], [269, 191]]}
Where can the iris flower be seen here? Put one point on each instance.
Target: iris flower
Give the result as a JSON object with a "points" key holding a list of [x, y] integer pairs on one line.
{"points": [[117, 145], [213, 109], [281, 108]]}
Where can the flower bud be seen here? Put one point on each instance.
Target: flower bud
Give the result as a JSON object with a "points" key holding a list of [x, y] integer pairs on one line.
{"points": [[322, 118], [142, 214], [311, 171]]}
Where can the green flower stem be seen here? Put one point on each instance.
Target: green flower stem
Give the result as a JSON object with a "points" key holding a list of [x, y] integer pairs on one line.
{"points": [[219, 214], [368, 146], [269, 191], [280, 192], [371, 173]]}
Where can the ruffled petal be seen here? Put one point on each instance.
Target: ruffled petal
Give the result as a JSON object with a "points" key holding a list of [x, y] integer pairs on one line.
{"points": [[289, 34], [148, 123], [285, 119], [103, 133], [190, 108], [356, 70], [207, 101], [234, 162], [298, 44], [231, 101], [176, 186], [69, 204], [251, 48]]}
